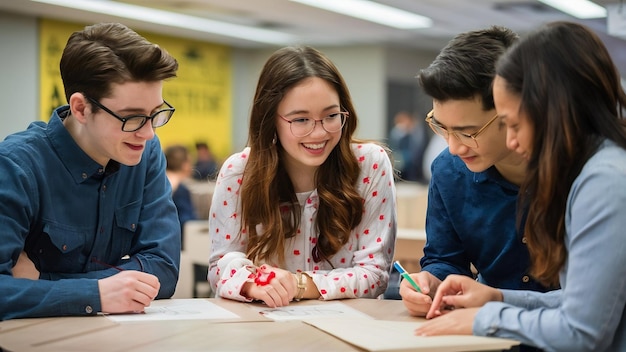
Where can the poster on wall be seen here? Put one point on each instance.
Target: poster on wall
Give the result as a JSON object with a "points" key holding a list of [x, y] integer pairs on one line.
{"points": [[201, 93]]}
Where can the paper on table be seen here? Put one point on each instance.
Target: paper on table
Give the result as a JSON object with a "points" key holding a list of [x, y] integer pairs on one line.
{"points": [[178, 309], [301, 312], [384, 335]]}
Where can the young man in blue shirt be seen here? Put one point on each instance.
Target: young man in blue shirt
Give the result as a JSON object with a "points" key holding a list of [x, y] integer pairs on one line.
{"points": [[472, 197], [88, 223]]}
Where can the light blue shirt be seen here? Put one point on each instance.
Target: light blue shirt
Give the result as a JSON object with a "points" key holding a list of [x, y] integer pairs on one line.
{"points": [[587, 314], [77, 219]]}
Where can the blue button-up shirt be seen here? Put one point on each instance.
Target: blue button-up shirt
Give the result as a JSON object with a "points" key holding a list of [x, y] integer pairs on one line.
{"points": [[471, 219], [79, 222]]}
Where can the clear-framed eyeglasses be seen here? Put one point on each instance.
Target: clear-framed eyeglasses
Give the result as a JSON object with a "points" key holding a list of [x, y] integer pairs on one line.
{"points": [[133, 123], [304, 126], [465, 139]]}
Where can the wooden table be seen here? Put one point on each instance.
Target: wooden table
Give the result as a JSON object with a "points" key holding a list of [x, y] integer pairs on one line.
{"points": [[250, 332]]}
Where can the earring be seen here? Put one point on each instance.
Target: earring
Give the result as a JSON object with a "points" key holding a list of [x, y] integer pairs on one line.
{"points": [[274, 140]]}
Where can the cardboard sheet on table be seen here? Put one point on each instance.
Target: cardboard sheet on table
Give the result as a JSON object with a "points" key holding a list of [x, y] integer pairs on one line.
{"points": [[385, 335]]}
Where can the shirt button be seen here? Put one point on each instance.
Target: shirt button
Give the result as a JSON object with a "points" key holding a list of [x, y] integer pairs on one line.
{"points": [[524, 240], [64, 247], [84, 175], [132, 226], [525, 278], [100, 170], [88, 310], [104, 187]]}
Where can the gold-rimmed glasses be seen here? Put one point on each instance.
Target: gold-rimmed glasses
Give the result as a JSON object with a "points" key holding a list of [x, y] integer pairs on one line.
{"points": [[133, 123], [465, 138], [304, 126]]}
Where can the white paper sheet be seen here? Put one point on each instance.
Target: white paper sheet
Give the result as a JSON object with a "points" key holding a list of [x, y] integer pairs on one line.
{"points": [[302, 312], [178, 309]]}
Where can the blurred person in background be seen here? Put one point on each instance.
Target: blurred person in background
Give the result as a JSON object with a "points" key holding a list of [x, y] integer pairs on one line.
{"points": [[179, 169], [206, 167]]}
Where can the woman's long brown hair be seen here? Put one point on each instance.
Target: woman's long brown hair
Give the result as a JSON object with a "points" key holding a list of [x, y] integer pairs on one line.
{"points": [[266, 184], [571, 95]]}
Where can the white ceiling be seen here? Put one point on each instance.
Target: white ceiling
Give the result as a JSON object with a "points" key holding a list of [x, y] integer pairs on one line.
{"points": [[318, 27]]}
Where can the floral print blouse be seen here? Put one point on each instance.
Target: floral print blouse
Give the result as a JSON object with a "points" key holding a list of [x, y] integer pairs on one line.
{"points": [[359, 269]]}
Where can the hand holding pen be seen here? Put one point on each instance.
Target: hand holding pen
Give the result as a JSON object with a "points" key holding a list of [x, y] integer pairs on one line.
{"points": [[415, 289]]}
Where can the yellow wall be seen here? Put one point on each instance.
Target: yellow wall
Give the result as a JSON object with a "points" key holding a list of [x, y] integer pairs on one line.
{"points": [[201, 93]]}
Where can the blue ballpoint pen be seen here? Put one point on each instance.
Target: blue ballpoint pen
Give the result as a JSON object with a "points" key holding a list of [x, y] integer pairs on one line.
{"points": [[406, 276]]}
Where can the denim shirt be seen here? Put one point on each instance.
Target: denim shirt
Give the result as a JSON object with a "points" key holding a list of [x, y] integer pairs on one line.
{"points": [[79, 222], [471, 219], [587, 314]]}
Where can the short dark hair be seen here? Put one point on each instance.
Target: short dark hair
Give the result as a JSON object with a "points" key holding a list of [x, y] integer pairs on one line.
{"points": [[465, 67], [106, 53]]}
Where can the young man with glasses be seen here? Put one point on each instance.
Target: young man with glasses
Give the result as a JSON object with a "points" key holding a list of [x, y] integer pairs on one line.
{"points": [[472, 198], [88, 224]]}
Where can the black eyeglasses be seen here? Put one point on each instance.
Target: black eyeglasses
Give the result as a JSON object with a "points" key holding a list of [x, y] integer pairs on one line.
{"points": [[133, 123]]}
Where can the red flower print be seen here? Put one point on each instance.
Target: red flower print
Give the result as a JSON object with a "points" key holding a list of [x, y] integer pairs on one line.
{"points": [[361, 158], [239, 181], [381, 217], [228, 236], [379, 239], [343, 260], [244, 155], [232, 272], [371, 256], [322, 291], [366, 180], [366, 232], [375, 166], [229, 189], [296, 252], [374, 194], [230, 166], [225, 203], [365, 292], [343, 289], [365, 276]]}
